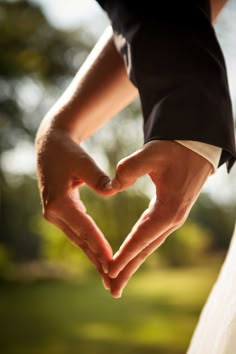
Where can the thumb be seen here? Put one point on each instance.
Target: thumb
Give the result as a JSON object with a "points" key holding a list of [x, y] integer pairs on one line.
{"points": [[130, 169], [92, 175]]}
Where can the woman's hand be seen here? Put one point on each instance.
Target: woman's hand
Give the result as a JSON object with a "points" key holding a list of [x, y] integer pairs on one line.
{"points": [[98, 91], [62, 167]]}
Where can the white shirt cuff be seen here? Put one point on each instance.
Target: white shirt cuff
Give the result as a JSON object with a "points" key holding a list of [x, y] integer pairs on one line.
{"points": [[211, 153]]}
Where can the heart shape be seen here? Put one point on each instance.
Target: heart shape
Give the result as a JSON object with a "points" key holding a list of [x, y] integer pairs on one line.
{"points": [[62, 166]]}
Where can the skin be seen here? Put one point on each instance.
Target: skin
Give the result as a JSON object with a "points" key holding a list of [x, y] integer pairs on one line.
{"points": [[216, 7], [99, 91]]}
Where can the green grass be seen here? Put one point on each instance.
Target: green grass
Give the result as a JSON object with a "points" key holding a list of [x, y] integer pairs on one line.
{"points": [[157, 314]]}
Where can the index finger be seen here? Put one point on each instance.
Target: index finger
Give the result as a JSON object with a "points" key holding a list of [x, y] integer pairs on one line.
{"points": [[77, 242], [87, 233], [118, 284], [151, 225]]}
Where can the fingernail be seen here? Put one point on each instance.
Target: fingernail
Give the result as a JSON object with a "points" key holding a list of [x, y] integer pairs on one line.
{"points": [[106, 287], [118, 296], [113, 274], [105, 268], [107, 186]]}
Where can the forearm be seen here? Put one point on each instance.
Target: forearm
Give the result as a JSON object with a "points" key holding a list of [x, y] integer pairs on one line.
{"points": [[99, 91], [209, 152], [181, 98], [216, 7]]}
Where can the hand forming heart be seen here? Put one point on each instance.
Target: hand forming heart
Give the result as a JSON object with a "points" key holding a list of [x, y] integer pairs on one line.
{"points": [[62, 166], [97, 93]]}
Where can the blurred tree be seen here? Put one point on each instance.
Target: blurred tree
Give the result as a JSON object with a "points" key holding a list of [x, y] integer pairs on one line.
{"points": [[21, 201], [186, 246], [36, 61], [216, 218], [116, 215]]}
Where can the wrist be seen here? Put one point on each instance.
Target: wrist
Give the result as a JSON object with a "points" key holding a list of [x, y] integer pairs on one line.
{"points": [[53, 125]]}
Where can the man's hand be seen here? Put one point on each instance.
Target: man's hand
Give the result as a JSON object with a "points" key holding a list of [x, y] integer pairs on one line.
{"points": [[62, 167], [178, 174]]}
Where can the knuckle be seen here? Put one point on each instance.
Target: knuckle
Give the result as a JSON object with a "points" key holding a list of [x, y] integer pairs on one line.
{"points": [[140, 242], [143, 255], [71, 237], [84, 247], [83, 236], [46, 214], [180, 220], [127, 164], [50, 208], [176, 212], [121, 171], [124, 175], [180, 216]]}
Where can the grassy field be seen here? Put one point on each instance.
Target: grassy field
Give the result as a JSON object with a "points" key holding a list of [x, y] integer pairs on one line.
{"points": [[157, 314]]}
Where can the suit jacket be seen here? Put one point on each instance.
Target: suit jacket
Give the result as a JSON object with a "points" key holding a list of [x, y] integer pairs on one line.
{"points": [[173, 57]]}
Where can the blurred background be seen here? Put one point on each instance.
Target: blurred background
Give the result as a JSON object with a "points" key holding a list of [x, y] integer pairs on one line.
{"points": [[51, 298]]}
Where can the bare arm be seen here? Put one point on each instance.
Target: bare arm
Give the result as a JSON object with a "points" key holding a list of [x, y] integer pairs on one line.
{"points": [[99, 91], [216, 7]]}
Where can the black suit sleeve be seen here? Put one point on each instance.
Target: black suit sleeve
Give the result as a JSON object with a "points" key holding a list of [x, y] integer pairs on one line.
{"points": [[173, 57]]}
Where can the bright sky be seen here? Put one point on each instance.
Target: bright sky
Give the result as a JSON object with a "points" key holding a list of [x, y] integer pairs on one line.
{"points": [[67, 14], [73, 13]]}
